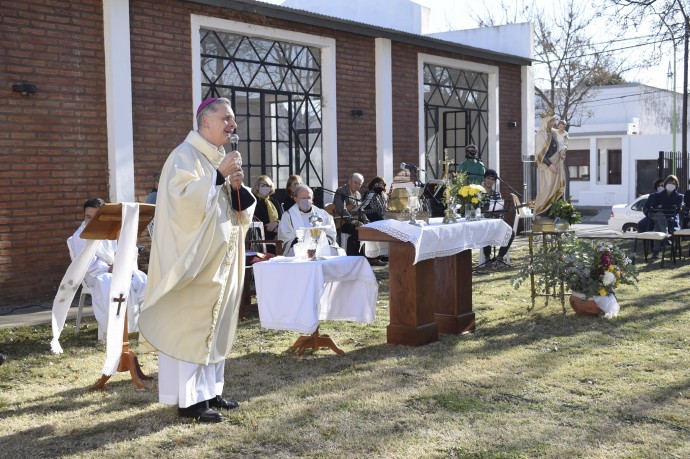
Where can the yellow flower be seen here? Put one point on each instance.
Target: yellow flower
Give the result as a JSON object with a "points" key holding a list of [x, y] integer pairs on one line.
{"points": [[602, 292], [463, 192], [611, 268], [474, 200]]}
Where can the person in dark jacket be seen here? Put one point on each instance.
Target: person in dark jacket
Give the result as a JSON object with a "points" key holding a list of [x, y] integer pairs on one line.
{"points": [[663, 208]]}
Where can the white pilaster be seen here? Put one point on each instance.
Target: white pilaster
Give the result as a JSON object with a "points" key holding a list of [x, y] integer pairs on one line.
{"points": [[118, 100], [384, 109]]}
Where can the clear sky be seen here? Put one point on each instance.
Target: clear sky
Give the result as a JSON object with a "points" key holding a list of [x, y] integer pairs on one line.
{"points": [[446, 14]]}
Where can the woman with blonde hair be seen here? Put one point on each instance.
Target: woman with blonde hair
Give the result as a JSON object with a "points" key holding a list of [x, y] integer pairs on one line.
{"points": [[268, 209]]}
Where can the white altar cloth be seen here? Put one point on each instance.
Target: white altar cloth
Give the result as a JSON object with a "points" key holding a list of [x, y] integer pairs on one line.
{"points": [[295, 294], [438, 239]]}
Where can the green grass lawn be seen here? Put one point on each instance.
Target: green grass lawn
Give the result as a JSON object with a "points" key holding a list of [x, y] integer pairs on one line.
{"points": [[527, 383]]}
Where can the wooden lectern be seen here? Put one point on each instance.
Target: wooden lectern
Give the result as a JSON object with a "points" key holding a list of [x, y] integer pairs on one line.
{"points": [[106, 224]]}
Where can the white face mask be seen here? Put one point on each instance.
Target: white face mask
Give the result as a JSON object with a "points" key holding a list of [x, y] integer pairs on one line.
{"points": [[264, 190], [660, 188], [304, 205], [670, 187]]}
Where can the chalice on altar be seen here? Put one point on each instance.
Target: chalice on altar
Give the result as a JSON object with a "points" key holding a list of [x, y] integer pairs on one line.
{"points": [[315, 233], [413, 204]]}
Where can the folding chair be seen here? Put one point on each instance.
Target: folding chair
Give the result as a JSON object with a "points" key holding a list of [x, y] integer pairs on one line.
{"points": [[663, 237], [522, 212], [84, 290], [684, 232], [248, 288]]}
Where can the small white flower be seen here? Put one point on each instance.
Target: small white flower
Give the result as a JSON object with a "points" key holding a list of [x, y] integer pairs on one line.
{"points": [[608, 278]]}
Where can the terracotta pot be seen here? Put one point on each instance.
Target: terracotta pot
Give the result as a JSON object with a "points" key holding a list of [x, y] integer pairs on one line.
{"points": [[584, 307]]}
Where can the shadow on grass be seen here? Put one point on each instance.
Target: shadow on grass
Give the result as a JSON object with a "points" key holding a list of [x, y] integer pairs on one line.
{"points": [[342, 380]]}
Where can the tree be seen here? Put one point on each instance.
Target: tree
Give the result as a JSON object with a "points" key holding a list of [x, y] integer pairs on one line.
{"points": [[670, 19], [569, 66]]}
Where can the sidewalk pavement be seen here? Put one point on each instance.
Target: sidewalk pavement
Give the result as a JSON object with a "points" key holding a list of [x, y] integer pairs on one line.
{"points": [[39, 313], [593, 225]]}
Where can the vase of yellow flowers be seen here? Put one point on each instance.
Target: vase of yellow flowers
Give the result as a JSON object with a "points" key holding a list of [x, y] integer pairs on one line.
{"points": [[471, 196]]}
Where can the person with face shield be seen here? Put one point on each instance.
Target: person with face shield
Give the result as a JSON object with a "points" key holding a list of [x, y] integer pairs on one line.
{"points": [[298, 217], [268, 209], [663, 209]]}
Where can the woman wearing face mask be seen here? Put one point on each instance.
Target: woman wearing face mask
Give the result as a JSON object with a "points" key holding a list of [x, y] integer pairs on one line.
{"points": [[376, 209], [663, 209], [268, 209]]}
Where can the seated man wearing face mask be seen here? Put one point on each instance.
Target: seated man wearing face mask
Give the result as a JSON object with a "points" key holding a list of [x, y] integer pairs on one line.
{"points": [[297, 217]]}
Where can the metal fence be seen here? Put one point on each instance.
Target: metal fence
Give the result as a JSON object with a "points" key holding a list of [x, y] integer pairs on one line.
{"points": [[671, 162]]}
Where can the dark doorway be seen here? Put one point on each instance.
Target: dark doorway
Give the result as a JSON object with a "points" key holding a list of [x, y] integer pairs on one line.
{"points": [[646, 175], [615, 162]]}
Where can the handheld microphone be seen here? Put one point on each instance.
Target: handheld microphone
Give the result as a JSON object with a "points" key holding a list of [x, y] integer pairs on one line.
{"points": [[410, 167], [234, 140]]}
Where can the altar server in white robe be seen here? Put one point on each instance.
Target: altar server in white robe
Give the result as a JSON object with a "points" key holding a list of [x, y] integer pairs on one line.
{"points": [[100, 273], [298, 217], [196, 268]]}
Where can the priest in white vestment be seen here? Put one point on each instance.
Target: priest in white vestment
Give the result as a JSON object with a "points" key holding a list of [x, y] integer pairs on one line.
{"points": [[196, 268], [298, 216], [100, 273]]}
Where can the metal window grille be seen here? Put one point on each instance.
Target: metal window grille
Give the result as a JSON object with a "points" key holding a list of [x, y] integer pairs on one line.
{"points": [[460, 99], [275, 90]]}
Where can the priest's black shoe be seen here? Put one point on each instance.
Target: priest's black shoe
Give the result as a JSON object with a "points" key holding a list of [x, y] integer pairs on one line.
{"points": [[220, 402], [200, 412]]}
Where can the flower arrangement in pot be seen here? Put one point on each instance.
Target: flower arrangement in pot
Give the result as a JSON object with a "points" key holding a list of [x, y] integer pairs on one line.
{"points": [[597, 269], [564, 214], [469, 195], [592, 270]]}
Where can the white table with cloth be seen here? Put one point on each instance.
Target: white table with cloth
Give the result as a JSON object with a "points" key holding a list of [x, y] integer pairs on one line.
{"points": [[430, 274], [295, 294]]}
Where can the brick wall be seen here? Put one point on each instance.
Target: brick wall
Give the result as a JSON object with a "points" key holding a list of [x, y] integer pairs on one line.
{"points": [[52, 145], [53, 152]]}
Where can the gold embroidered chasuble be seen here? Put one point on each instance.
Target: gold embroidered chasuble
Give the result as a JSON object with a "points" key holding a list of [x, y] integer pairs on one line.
{"points": [[196, 268]]}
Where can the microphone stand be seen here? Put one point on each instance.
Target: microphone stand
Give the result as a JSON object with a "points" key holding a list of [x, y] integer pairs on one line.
{"points": [[417, 182], [511, 188], [338, 193]]}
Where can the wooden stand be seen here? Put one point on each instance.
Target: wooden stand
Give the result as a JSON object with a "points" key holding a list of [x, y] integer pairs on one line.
{"points": [[106, 224], [128, 362], [550, 241], [314, 341]]}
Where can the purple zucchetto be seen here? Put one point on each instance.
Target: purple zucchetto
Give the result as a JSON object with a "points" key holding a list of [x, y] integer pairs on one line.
{"points": [[204, 103]]}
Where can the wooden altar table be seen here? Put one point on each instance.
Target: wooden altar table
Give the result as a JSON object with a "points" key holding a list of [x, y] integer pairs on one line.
{"points": [[430, 275]]}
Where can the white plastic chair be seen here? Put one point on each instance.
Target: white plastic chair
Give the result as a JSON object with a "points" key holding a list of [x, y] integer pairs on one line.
{"points": [[521, 212], [84, 290]]}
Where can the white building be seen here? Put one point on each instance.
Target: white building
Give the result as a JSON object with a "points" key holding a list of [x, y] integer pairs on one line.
{"points": [[612, 155]]}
